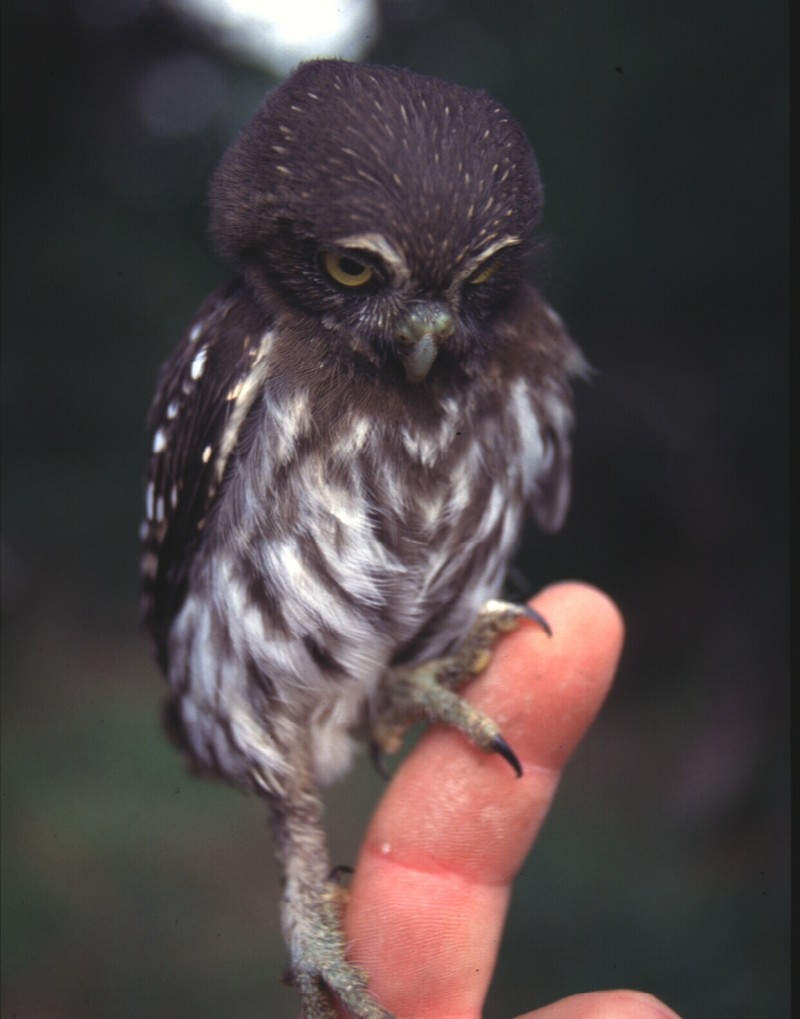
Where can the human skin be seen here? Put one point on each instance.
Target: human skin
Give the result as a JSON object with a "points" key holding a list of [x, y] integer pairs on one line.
{"points": [[433, 880]]}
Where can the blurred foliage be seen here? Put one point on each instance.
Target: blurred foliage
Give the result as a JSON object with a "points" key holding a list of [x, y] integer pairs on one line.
{"points": [[662, 132]]}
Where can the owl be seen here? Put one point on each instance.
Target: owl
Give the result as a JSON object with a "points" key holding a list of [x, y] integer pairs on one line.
{"points": [[344, 448]]}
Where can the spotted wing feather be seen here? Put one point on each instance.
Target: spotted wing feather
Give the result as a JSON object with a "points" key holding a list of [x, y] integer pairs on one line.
{"points": [[204, 394]]}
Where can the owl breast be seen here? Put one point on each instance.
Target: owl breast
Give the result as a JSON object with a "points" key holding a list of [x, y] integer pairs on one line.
{"points": [[329, 559]]}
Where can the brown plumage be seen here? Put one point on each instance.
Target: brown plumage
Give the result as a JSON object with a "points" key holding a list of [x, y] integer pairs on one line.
{"points": [[346, 442]]}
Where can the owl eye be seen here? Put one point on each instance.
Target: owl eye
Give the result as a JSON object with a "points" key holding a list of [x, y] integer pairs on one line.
{"points": [[347, 270], [484, 272]]}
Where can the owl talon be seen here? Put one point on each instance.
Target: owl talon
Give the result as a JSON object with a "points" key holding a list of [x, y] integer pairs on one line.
{"points": [[497, 617], [321, 972], [500, 746], [430, 691], [378, 758], [537, 617], [337, 875]]}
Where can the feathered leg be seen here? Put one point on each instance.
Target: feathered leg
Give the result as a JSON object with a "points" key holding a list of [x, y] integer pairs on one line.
{"points": [[311, 913]]}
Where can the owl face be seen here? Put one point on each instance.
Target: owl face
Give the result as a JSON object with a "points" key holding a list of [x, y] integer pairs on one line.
{"points": [[393, 208]]}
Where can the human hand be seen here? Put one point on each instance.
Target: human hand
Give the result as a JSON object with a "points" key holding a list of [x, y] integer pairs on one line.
{"points": [[433, 880]]}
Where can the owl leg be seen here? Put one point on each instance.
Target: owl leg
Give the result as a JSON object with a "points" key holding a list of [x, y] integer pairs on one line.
{"points": [[430, 691], [311, 909]]}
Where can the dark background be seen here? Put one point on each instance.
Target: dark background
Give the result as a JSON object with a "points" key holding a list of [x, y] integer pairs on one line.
{"points": [[129, 888]]}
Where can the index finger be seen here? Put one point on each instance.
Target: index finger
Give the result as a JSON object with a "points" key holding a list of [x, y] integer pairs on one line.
{"points": [[433, 878]]}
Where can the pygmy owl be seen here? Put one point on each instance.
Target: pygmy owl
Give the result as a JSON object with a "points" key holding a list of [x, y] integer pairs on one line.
{"points": [[345, 445]]}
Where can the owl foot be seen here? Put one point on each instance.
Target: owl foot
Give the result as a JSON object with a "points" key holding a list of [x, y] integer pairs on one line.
{"points": [[321, 973], [430, 691], [312, 905]]}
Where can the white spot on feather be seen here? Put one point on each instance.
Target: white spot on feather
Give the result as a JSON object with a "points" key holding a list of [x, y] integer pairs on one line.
{"points": [[199, 363], [250, 387], [149, 501]]}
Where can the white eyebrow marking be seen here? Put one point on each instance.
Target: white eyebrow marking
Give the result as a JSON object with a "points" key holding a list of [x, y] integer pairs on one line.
{"points": [[378, 245], [492, 249]]}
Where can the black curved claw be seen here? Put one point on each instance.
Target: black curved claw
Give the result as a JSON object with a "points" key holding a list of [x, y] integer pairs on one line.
{"points": [[537, 617], [378, 760], [499, 746], [339, 872]]}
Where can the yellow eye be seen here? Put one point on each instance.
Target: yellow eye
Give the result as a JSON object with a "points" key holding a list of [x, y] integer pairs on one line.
{"points": [[346, 269], [485, 272]]}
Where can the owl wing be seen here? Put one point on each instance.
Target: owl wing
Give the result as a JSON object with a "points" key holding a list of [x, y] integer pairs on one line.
{"points": [[551, 395], [204, 394], [553, 487]]}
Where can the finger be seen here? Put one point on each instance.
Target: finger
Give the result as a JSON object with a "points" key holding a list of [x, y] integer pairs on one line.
{"points": [[605, 1005], [432, 882]]}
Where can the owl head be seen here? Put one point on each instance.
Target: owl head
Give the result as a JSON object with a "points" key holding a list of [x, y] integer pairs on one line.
{"points": [[394, 208]]}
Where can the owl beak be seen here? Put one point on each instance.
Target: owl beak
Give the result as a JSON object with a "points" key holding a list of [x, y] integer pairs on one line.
{"points": [[420, 332]]}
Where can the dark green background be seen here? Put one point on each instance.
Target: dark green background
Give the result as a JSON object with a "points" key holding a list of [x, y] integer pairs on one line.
{"points": [[130, 889]]}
